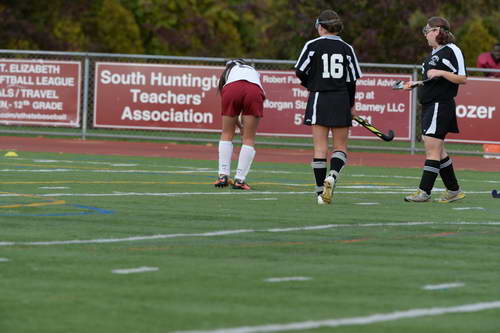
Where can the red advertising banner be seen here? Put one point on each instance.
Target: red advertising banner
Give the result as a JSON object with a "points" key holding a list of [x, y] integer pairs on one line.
{"points": [[40, 92], [171, 97], [375, 101], [478, 112], [157, 97]]}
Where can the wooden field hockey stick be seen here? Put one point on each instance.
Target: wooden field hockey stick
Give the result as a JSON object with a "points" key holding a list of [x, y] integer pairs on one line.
{"points": [[386, 137]]}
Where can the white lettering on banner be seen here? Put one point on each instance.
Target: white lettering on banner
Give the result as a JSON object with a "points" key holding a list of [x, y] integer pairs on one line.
{"points": [[55, 81], [186, 116], [393, 107], [273, 79], [184, 80], [300, 105], [164, 98], [280, 106], [38, 105], [369, 107], [13, 80], [475, 112], [34, 68], [45, 94], [135, 78]]}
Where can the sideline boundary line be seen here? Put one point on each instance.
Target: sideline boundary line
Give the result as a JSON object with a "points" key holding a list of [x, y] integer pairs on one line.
{"points": [[239, 231], [366, 320]]}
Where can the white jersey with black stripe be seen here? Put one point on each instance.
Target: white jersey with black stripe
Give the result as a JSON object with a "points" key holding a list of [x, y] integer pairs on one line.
{"points": [[327, 63], [448, 58]]}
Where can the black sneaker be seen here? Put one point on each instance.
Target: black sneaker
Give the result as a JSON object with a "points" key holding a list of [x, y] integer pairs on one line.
{"points": [[222, 181], [239, 185]]}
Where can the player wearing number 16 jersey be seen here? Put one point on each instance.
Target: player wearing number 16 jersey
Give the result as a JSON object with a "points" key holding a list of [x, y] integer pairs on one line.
{"points": [[328, 68]]}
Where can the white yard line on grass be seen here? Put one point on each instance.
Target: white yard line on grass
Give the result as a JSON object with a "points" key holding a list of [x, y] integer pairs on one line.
{"points": [[443, 286], [180, 194], [366, 320], [286, 279], [241, 231], [53, 188], [4, 260], [142, 269], [367, 203], [468, 208]]}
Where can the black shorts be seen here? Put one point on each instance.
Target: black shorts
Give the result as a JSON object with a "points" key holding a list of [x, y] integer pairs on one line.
{"points": [[328, 108], [439, 119]]}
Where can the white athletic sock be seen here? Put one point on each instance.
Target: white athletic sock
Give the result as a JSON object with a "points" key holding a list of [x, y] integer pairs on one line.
{"points": [[245, 160], [225, 154]]}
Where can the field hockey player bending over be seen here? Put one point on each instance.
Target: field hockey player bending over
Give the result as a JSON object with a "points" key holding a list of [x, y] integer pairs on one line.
{"points": [[445, 67], [242, 94], [328, 68]]}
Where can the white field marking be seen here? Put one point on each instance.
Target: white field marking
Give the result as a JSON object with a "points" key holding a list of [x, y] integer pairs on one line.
{"points": [[468, 208], [85, 162], [367, 203], [240, 231], [53, 188], [412, 177], [286, 279], [370, 319], [180, 194], [135, 270], [4, 259], [263, 199], [443, 286]]}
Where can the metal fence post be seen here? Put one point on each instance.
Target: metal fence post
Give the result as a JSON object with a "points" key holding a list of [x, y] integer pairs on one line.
{"points": [[86, 74], [413, 115]]}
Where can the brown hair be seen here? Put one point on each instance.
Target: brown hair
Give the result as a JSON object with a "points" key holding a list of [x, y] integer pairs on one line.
{"points": [[445, 36], [229, 65], [331, 21]]}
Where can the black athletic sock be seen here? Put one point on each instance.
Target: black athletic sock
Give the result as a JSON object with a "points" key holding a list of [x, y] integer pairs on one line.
{"points": [[319, 168], [448, 174], [337, 162], [429, 175]]}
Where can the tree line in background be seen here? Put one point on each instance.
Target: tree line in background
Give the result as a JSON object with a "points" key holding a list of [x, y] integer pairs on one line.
{"points": [[382, 31]]}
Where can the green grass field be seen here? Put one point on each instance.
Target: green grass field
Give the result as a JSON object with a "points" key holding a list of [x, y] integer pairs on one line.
{"points": [[131, 244]]}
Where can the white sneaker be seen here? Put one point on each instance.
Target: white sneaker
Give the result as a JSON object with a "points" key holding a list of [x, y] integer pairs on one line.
{"points": [[418, 196], [320, 200], [329, 186]]}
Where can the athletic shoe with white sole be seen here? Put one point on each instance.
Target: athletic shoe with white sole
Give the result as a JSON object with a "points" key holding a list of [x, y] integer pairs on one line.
{"points": [[450, 196], [418, 196], [320, 200], [329, 186]]}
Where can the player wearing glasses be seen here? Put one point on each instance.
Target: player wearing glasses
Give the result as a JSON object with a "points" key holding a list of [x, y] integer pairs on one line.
{"points": [[445, 69]]}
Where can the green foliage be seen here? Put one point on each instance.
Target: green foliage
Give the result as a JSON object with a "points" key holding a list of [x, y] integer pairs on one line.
{"points": [[116, 29], [475, 40], [386, 31]]}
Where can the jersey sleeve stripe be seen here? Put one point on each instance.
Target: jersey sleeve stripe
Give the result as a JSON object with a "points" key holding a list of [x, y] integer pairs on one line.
{"points": [[450, 66], [355, 65], [306, 62], [460, 59]]}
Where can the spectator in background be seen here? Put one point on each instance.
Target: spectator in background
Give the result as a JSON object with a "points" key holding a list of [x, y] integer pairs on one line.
{"points": [[490, 60]]}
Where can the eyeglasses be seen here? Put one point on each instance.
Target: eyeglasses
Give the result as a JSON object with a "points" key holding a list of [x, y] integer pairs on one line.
{"points": [[427, 29]]}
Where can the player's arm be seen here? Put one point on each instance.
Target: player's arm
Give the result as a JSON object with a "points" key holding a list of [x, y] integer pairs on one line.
{"points": [[452, 77]]}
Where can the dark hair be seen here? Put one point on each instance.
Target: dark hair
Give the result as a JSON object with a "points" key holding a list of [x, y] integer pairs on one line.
{"points": [[330, 21], [229, 65], [445, 36]]}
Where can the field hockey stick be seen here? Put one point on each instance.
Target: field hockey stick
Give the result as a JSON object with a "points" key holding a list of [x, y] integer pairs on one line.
{"points": [[495, 194], [386, 137], [399, 85]]}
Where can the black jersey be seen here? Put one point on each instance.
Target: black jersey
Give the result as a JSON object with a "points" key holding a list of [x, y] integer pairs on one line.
{"points": [[326, 64], [448, 58]]}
